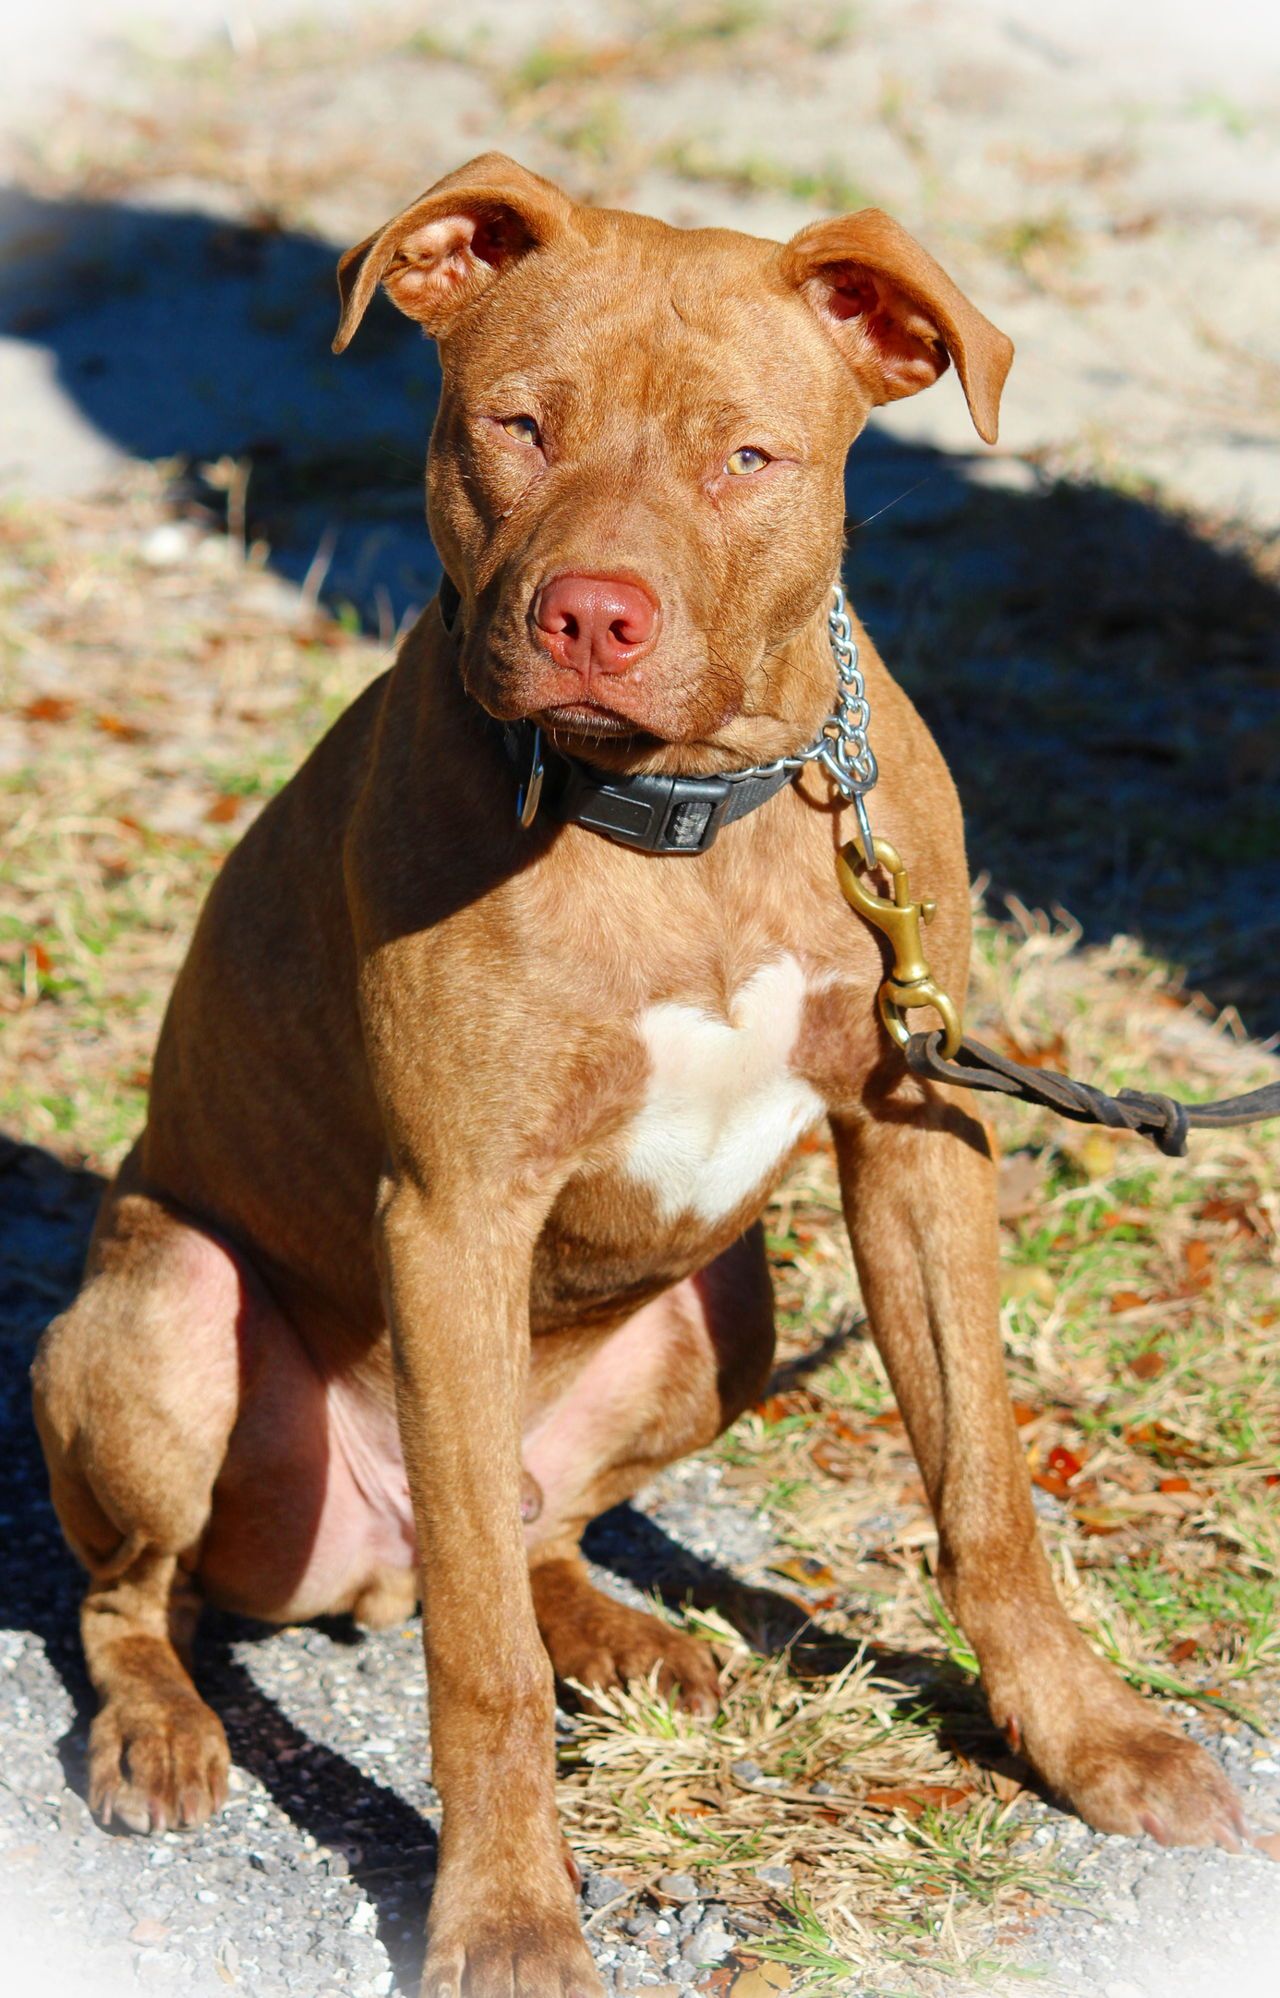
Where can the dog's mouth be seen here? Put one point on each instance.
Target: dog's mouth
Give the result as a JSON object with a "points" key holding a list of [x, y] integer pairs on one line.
{"points": [[585, 721]]}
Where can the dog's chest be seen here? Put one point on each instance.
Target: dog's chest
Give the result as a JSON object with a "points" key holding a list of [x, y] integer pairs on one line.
{"points": [[723, 1102]]}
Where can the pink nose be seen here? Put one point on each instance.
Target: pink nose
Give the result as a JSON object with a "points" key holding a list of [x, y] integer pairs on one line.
{"points": [[594, 624]]}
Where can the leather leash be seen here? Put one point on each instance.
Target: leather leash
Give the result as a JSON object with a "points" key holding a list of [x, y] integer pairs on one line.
{"points": [[1163, 1119], [948, 1054]]}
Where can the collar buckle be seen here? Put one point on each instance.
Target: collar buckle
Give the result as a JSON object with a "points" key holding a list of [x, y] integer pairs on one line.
{"points": [[651, 813]]}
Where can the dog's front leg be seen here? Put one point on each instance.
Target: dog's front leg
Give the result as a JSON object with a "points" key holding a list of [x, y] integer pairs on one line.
{"points": [[504, 1921], [918, 1185]]}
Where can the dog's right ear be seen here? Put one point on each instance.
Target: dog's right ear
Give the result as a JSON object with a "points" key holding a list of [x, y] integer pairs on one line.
{"points": [[442, 251]]}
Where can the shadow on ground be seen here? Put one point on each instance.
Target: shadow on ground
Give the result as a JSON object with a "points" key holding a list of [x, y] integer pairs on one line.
{"points": [[1102, 678]]}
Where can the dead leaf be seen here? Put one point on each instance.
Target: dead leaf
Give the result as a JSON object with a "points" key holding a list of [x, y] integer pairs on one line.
{"points": [[792, 1401], [845, 1430], [1147, 1365], [115, 725], [1164, 1442], [49, 708], [1241, 1216], [1185, 1648], [832, 1461], [919, 1798], [1029, 1281], [802, 1568], [149, 1931], [223, 809], [1100, 1519], [1126, 1300], [1197, 1257], [761, 1980], [1051, 1055]]}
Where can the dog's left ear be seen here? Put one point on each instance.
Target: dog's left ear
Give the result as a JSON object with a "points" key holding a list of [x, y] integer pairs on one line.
{"points": [[447, 247], [894, 313]]}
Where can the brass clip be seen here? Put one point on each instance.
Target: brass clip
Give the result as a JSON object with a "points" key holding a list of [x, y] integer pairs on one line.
{"points": [[910, 982]]}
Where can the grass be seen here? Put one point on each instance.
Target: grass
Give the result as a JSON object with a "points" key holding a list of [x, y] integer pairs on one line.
{"points": [[828, 186], [663, 40], [1036, 245], [147, 707], [147, 712], [826, 1776]]}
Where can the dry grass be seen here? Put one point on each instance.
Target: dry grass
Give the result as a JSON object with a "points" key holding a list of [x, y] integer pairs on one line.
{"points": [[155, 687], [899, 1855]]}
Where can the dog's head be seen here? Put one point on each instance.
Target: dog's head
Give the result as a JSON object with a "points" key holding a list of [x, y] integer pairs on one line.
{"points": [[636, 474]]}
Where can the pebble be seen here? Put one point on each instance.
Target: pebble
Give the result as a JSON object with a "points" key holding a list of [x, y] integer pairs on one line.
{"points": [[774, 1876], [167, 544], [709, 1943], [678, 1886], [602, 1890]]}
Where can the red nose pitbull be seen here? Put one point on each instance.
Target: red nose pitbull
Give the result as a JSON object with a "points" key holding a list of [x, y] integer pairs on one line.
{"points": [[498, 1030]]}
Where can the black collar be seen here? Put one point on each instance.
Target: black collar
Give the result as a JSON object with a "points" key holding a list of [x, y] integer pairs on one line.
{"points": [[652, 813], [648, 811]]}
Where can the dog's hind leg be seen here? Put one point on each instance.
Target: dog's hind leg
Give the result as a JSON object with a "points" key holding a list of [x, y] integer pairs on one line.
{"points": [[663, 1384], [136, 1391]]}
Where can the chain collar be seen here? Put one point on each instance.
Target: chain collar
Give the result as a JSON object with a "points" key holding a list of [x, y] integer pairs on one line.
{"points": [[840, 748]]}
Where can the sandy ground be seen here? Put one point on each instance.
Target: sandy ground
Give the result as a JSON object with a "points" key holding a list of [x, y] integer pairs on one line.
{"points": [[1106, 181], [1107, 178]]}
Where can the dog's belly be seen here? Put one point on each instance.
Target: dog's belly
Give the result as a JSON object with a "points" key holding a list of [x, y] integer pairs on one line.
{"points": [[312, 1502]]}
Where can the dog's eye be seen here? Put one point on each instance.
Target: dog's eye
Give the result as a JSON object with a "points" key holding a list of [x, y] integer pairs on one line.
{"points": [[522, 427], [746, 459]]}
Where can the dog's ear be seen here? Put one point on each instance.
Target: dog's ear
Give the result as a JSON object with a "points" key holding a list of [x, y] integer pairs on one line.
{"points": [[894, 313], [443, 250]]}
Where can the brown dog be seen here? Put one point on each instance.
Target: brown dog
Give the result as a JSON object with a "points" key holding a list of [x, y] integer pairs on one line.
{"points": [[441, 1236]]}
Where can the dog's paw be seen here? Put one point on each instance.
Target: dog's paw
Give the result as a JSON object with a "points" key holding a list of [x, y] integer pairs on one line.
{"points": [[157, 1763], [600, 1643], [1148, 1777], [509, 1949]]}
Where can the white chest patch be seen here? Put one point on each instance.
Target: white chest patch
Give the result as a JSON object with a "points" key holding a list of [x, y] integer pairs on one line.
{"points": [[722, 1105]]}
